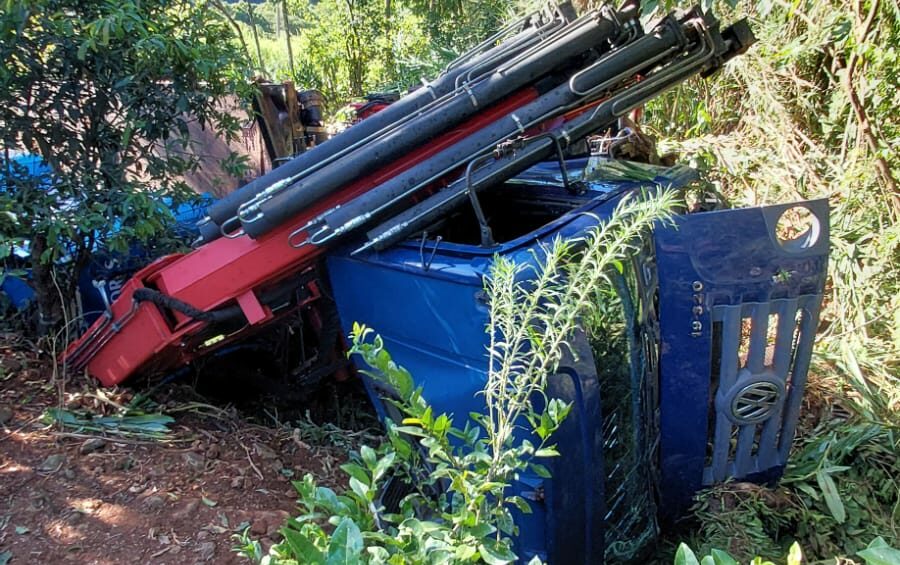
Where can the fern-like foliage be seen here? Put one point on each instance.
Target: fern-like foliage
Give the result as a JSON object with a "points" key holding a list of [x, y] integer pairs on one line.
{"points": [[534, 310]]}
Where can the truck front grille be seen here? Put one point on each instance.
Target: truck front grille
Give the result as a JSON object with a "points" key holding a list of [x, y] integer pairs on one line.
{"points": [[760, 359]]}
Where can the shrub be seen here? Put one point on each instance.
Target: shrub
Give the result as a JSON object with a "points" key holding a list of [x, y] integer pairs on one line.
{"points": [[103, 92]]}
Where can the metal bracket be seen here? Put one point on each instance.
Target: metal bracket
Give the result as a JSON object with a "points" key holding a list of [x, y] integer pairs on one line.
{"points": [[471, 94], [426, 265], [101, 290], [575, 188], [429, 88], [226, 225], [487, 236]]}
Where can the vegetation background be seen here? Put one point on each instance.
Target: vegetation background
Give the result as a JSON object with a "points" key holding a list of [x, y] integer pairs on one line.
{"points": [[810, 112]]}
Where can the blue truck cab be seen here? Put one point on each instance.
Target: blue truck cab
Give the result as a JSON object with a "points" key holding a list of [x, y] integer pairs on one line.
{"points": [[692, 375]]}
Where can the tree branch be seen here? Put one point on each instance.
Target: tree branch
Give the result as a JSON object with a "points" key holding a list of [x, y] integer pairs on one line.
{"points": [[224, 11], [859, 110]]}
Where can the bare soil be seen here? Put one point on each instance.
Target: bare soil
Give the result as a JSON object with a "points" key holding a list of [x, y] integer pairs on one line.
{"points": [[70, 497]]}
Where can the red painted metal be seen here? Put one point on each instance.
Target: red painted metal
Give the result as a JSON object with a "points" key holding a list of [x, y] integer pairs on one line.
{"points": [[142, 337], [365, 109]]}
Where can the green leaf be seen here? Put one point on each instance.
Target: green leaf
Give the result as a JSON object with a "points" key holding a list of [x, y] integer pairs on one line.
{"points": [[494, 553], [208, 502], [720, 557], [540, 470], [402, 381], [795, 555], [83, 49], [368, 456], [411, 430], [684, 556], [346, 544], [361, 489], [832, 497], [441, 424], [880, 553], [482, 530], [356, 472], [326, 497], [505, 522], [877, 542], [618, 265], [464, 553], [520, 503], [383, 465], [302, 548], [378, 554]]}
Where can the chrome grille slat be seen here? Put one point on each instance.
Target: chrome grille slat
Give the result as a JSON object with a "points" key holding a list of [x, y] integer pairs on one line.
{"points": [[781, 364], [730, 316], [810, 307]]}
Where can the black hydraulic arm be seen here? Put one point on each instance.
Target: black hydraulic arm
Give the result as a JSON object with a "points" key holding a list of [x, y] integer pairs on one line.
{"points": [[263, 214], [513, 157]]}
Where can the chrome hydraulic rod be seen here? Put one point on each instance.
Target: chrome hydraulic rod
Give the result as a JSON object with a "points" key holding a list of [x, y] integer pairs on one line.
{"points": [[395, 116], [485, 59], [583, 87], [504, 56]]}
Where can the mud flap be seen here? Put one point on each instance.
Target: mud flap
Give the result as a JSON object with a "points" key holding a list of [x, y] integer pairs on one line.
{"points": [[739, 301]]}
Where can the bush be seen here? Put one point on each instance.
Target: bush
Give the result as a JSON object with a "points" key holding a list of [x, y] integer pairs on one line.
{"points": [[876, 553], [103, 92]]}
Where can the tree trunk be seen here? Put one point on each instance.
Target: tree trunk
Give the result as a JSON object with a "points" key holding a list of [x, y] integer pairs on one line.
{"points": [[46, 295], [259, 60], [237, 28], [287, 37]]}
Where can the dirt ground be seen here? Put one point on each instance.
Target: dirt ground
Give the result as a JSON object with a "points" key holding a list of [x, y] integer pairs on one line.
{"points": [[71, 497]]}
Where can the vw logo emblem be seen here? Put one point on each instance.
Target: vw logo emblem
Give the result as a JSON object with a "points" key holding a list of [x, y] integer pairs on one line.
{"points": [[755, 402]]}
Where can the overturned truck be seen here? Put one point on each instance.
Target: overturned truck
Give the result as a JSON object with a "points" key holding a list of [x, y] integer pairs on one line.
{"points": [[395, 221]]}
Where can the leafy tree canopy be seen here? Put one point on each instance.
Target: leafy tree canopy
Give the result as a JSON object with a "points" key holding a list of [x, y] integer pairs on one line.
{"points": [[104, 91]]}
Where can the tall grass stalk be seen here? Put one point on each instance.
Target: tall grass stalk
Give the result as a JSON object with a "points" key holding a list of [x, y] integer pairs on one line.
{"points": [[783, 123], [532, 318]]}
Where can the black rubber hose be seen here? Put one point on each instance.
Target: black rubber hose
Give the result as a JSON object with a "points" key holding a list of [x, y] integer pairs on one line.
{"points": [[172, 303]]}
